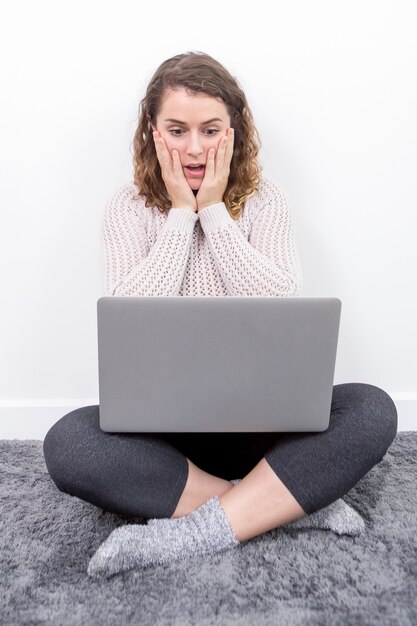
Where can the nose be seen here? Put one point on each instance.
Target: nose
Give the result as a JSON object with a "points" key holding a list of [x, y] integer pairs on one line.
{"points": [[194, 147]]}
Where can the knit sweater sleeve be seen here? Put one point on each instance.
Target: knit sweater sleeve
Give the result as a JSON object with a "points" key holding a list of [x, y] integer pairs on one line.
{"points": [[265, 264], [130, 267]]}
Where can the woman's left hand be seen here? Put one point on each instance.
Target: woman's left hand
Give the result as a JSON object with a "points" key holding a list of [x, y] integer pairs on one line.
{"points": [[217, 172]]}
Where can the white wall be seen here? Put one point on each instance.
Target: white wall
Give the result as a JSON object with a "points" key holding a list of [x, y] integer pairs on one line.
{"points": [[333, 89]]}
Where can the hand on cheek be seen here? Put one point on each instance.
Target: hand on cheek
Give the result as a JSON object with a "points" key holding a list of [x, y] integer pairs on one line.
{"points": [[217, 172], [178, 189]]}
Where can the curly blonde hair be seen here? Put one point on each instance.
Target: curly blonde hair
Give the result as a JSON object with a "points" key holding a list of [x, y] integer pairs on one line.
{"points": [[197, 72]]}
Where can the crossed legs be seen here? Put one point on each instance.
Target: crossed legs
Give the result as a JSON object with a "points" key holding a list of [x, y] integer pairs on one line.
{"points": [[257, 504], [317, 467], [287, 477], [284, 476]]}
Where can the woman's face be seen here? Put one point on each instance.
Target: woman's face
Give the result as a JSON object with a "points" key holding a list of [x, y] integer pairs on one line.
{"points": [[192, 124]]}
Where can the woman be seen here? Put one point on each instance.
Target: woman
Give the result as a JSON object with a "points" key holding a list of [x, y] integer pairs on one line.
{"points": [[200, 219]]}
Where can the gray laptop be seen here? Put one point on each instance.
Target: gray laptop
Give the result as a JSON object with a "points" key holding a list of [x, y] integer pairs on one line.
{"points": [[216, 364]]}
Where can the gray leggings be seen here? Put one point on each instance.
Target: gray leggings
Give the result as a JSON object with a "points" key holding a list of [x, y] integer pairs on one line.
{"points": [[145, 474]]}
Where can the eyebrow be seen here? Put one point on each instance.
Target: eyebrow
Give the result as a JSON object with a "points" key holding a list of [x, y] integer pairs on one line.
{"points": [[213, 119]]}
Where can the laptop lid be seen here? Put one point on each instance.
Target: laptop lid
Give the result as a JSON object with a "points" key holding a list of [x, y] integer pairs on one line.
{"points": [[216, 364]]}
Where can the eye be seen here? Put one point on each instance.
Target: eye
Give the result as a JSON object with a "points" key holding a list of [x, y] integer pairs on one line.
{"points": [[178, 132], [174, 132]]}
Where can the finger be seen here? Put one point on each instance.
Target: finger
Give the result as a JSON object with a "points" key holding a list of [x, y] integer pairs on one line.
{"points": [[210, 167], [176, 164], [163, 154], [229, 146], [221, 152], [225, 153], [155, 136]]}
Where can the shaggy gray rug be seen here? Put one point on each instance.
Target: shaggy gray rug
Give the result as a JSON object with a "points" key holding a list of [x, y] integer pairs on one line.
{"points": [[284, 577]]}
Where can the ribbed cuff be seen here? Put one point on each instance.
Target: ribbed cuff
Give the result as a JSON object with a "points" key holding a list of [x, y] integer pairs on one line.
{"points": [[213, 524], [214, 217], [181, 219]]}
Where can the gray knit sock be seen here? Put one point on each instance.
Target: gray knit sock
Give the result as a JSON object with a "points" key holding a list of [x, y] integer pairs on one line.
{"points": [[338, 517], [204, 531]]}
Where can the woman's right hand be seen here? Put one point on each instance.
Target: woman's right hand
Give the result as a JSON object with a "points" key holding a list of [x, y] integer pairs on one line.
{"points": [[179, 191]]}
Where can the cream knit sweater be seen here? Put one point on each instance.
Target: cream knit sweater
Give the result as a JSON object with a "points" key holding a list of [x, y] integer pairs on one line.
{"points": [[148, 253]]}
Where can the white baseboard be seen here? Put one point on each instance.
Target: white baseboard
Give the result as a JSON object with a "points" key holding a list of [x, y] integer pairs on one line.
{"points": [[406, 404], [31, 419]]}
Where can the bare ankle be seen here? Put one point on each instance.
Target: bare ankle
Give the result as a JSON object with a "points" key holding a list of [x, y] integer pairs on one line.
{"points": [[200, 487], [260, 503]]}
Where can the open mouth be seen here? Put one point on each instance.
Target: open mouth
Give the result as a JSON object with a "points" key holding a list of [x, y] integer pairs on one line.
{"points": [[195, 171]]}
